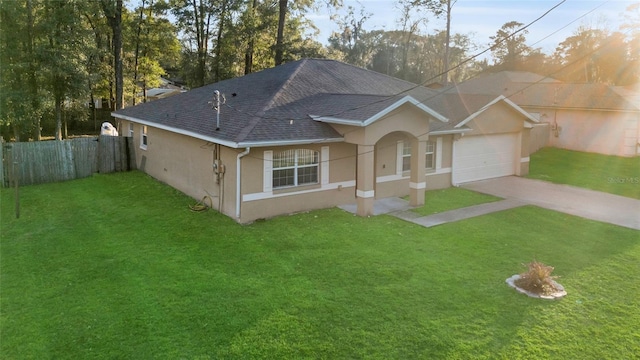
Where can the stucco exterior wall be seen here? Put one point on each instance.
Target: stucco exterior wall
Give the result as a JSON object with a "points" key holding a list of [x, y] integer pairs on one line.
{"points": [[497, 119], [186, 164], [335, 189], [405, 118], [391, 181], [539, 137], [604, 132], [522, 169]]}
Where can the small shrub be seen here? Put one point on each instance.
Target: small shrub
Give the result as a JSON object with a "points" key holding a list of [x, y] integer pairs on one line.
{"points": [[537, 279]]}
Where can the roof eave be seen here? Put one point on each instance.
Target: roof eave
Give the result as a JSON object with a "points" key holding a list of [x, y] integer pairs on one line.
{"points": [[407, 99], [227, 143], [362, 123], [450, 131]]}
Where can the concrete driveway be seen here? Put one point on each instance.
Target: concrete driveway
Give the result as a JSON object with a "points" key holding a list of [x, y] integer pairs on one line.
{"points": [[589, 204]]}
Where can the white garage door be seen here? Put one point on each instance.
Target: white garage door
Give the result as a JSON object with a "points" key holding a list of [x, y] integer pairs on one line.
{"points": [[484, 157]]}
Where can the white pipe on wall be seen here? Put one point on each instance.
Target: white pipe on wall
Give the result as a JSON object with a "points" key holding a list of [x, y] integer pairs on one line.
{"points": [[238, 183]]}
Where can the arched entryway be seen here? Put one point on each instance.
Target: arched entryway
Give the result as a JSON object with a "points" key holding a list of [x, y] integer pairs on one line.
{"points": [[411, 124]]}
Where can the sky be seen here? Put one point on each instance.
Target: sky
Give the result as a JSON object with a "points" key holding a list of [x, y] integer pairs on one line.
{"points": [[481, 19]]}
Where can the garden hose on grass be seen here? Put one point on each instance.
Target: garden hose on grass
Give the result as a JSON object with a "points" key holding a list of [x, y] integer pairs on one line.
{"points": [[200, 205]]}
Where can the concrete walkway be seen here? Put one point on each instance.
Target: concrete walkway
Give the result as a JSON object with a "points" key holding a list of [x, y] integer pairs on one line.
{"points": [[517, 191], [401, 209], [458, 214]]}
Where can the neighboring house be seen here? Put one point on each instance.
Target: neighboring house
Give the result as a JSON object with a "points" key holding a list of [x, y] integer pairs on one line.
{"points": [[583, 117], [160, 93], [319, 133], [167, 88]]}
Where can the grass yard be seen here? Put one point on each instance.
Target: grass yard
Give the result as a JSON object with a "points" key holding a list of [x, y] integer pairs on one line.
{"points": [[612, 174], [437, 201], [116, 266]]}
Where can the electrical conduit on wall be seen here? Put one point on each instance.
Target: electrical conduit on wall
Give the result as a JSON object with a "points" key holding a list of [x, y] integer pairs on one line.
{"points": [[238, 183]]}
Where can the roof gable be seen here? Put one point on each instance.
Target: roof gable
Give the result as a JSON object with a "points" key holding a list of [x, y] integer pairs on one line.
{"points": [[528, 117], [368, 109]]}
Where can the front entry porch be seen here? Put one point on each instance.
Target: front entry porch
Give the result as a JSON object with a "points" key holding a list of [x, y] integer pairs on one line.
{"points": [[381, 206]]}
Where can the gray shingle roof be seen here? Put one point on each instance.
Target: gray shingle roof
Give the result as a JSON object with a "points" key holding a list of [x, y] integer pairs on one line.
{"points": [[532, 90], [260, 106]]}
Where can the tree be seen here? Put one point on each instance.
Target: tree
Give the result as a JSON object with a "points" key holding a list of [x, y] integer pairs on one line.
{"points": [[62, 57], [591, 55], [425, 57], [410, 28], [350, 42], [251, 24], [113, 13], [630, 74], [509, 46], [20, 99], [194, 18], [153, 42], [282, 15], [439, 7]]}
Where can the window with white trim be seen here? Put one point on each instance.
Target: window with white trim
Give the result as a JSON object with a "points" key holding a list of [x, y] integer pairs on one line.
{"points": [[429, 156], [406, 156], [143, 138], [130, 129], [295, 167]]}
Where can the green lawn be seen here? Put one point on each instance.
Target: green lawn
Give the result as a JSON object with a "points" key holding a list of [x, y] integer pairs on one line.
{"points": [[612, 174], [437, 201], [116, 266]]}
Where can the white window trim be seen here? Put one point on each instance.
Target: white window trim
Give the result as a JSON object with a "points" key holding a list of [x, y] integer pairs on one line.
{"points": [[267, 163], [324, 165], [296, 167], [144, 137], [437, 157], [405, 156], [131, 129], [438, 153], [433, 154], [399, 151]]}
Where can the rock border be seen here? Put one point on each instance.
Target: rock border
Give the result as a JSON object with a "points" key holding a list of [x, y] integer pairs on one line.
{"points": [[556, 295]]}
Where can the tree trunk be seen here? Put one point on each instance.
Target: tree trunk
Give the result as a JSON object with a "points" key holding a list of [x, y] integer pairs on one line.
{"points": [[58, 110], [221, 24], [137, 53], [248, 55], [445, 71], [282, 15], [117, 52], [32, 81], [113, 13], [65, 128]]}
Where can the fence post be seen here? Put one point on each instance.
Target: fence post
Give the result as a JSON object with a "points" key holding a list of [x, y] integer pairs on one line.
{"points": [[2, 162], [16, 181]]}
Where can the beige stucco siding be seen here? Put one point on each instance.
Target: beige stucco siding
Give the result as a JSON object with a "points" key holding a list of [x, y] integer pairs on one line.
{"points": [[604, 132], [180, 161], [335, 188], [186, 164], [391, 181], [407, 118], [497, 119], [501, 135]]}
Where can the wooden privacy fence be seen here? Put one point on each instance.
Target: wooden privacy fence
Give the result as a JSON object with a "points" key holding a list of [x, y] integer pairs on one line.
{"points": [[41, 162]]}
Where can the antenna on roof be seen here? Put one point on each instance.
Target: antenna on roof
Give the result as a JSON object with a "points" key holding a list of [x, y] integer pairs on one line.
{"points": [[215, 104]]}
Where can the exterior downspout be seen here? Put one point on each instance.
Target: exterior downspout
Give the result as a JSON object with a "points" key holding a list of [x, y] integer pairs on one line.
{"points": [[238, 174]]}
